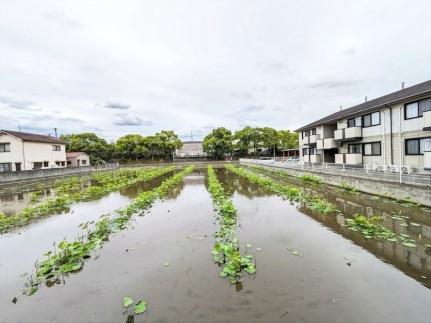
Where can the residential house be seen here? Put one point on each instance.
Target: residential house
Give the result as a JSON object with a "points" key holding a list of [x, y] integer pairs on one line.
{"points": [[26, 151], [77, 159], [394, 129]]}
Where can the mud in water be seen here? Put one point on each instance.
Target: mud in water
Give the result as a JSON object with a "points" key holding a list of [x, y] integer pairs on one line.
{"points": [[309, 267]]}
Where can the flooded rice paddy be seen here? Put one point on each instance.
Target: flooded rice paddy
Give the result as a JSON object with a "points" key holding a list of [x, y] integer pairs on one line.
{"points": [[310, 266]]}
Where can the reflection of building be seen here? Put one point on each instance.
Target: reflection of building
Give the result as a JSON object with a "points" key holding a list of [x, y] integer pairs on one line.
{"points": [[77, 159], [394, 129], [25, 151], [190, 149]]}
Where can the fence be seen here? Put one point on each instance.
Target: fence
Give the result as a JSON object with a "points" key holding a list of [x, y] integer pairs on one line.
{"points": [[348, 170]]}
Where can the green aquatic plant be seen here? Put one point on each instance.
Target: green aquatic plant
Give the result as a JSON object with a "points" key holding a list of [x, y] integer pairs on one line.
{"points": [[347, 188], [317, 180], [226, 250], [69, 256], [320, 205], [286, 191], [372, 228], [69, 193]]}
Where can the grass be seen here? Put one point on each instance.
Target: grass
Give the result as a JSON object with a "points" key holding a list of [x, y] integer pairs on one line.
{"points": [[69, 256], [226, 251], [313, 179], [68, 192]]}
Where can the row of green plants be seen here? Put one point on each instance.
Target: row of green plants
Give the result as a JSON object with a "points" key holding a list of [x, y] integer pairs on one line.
{"points": [[226, 250], [69, 256], [69, 192], [372, 228], [286, 191]]}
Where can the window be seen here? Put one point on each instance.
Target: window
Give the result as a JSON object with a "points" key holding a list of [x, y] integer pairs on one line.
{"points": [[418, 146], [5, 147], [354, 122], [5, 167], [69, 162], [304, 151], [305, 134], [63, 163], [355, 149], [84, 162], [372, 119], [416, 109], [372, 149], [313, 131], [56, 147], [45, 164]]}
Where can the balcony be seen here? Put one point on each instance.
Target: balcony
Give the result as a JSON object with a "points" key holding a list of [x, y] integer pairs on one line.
{"points": [[427, 121], [352, 133], [339, 158], [319, 144], [353, 159], [314, 138], [339, 134], [306, 140], [315, 159], [329, 143]]}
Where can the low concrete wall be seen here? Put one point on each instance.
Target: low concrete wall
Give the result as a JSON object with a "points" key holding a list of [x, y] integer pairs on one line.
{"points": [[406, 192], [29, 175]]}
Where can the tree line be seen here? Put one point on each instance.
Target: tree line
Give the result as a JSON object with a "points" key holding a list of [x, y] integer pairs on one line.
{"points": [[218, 144], [248, 141]]}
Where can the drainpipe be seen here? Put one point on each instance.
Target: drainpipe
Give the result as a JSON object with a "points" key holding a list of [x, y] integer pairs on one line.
{"points": [[383, 146], [23, 156], [392, 142], [401, 141]]}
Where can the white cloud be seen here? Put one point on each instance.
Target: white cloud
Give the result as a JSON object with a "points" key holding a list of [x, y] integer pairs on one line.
{"points": [[185, 65]]}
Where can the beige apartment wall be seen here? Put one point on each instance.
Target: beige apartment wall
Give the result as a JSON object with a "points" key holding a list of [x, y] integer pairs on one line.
{"points": [[40, 152], [16, 151]]}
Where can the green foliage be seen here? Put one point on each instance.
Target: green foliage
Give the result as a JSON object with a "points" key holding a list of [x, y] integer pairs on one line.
{"points": [[218, 143], [226, 251], [347, 188], [311, 179], [68, 192], [70, 256], [372, 229], [255, 138], [132, 146], [95, 147], [286, 191]]}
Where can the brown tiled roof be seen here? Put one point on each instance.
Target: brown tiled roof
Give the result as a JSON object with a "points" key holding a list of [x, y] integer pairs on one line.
{"points": [[75, 154], [409, 92], [33, 137]]}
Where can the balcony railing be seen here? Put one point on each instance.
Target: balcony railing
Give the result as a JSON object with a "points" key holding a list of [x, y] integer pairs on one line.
{"points": [[314, 138], [329, 143], [306, 140], [353, 133], [353, 159], [319, 144], [339, 134], [427, 121], [340, 159]]}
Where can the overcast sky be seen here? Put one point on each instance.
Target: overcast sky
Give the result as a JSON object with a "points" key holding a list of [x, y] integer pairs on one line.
{"points": [[117, 67]]}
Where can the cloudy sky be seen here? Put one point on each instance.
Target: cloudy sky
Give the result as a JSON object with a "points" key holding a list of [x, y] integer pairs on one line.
{"points": [[117, 67]]}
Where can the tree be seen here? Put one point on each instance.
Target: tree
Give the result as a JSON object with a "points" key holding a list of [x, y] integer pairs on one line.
{"points": [[218, 143], [132, 146], [287, 139], [163, 143], [97, 148]]}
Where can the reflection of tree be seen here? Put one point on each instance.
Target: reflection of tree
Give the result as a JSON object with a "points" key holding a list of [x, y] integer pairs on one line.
{"points": [[233, 183]]}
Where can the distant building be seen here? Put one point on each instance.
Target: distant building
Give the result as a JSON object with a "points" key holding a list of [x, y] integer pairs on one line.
{"points": [[191, 149], [77, 159], [26, 151]]}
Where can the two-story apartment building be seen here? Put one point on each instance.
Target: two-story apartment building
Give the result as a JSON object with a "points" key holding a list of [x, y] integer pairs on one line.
{"points": [[25, 151], [394, 129]]}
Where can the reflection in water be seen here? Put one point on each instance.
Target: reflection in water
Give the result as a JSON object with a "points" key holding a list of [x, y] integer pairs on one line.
{"points": [[413, 221]]}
